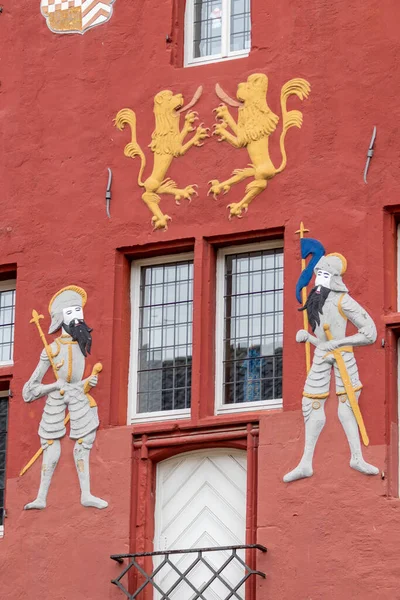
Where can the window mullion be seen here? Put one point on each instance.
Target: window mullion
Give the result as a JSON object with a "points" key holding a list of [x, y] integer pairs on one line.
{"points": [[225, 27]]}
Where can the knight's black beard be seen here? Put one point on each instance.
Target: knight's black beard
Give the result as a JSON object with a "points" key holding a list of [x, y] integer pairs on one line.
{"points": [[315, 304], [80, 332]]}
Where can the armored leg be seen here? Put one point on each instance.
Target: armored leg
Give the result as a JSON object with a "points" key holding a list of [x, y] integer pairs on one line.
{"points": [[349, 424], [314, 421], [51, 455], [81, 456]]}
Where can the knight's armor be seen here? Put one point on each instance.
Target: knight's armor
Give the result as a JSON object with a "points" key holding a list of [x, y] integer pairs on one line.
{"points": [[338, 308], [70, 364]]}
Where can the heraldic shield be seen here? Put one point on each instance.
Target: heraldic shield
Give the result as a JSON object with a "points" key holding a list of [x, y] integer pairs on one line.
{"points": [[75, 16]]}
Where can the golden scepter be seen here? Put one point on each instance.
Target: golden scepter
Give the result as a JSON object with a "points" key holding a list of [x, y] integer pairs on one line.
{"points": [[302, 231], [96, 369], [36, 319]]}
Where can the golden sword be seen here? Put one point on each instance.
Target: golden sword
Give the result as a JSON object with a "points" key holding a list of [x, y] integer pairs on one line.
{"points": [[348, 387], [95, 371]]}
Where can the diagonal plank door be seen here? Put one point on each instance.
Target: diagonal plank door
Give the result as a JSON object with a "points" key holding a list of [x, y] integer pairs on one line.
{"points": [[200, 502]]}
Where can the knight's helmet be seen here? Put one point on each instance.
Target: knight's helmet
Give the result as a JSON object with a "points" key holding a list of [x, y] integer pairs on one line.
{"points": [[71, 295], [336, 265]]}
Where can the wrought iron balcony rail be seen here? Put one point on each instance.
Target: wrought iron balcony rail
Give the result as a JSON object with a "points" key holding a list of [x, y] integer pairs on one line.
{"points": [[183, 576]]}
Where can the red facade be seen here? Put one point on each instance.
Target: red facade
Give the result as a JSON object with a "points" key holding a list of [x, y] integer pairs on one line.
{"points": [[332, 536]]}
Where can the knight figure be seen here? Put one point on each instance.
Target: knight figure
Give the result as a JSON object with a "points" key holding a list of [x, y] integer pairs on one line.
{"points": [[66, 356], [329, 307]]}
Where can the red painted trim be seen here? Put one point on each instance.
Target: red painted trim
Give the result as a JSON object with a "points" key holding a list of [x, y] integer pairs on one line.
{"points": [[177, 43], [121, 342], [392, 437], [390, 260], [246, 237], [8, 271], [203, 362], [391, 319], [392, 322]]}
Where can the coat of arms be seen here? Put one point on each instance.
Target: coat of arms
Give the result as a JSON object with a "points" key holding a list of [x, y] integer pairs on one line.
{"points": [[75, 16]]}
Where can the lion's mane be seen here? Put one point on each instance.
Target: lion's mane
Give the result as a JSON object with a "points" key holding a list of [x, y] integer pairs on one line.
{"points": [[255, 120], [165, 138]]}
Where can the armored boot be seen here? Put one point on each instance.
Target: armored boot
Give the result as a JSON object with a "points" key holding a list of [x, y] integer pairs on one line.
{"points": [[349, 424], [314, 421], [51, 455], [81, 456]]}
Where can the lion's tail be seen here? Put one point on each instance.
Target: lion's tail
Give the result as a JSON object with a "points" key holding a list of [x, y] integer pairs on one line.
{"points": [[126, 116], [293, 118]]}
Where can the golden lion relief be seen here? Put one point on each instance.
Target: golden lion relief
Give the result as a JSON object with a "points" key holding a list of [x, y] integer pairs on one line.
{"points": [[255, 124], [167, 143]]}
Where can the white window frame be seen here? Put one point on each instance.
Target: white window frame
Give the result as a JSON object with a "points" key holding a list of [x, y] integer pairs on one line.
{"points": [[5, 286], [226, 54], [220, 407], [133, 415]]}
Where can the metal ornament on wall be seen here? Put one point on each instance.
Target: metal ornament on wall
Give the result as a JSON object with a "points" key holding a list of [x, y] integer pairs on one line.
{"points": [[167, 143], [256, 122], [329, 307], [75, 16], [65, 356]]}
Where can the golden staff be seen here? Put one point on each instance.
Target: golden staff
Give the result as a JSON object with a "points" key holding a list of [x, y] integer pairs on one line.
{"points": [[36, 319], [302, 231], [348, 387]]}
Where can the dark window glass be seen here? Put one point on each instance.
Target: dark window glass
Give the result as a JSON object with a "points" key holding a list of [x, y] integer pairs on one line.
{"points": [[3, 440], [165, 337], [253, 326]]}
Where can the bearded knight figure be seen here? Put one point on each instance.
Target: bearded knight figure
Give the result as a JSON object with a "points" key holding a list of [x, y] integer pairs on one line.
{"points": [[66, 356], [329, 307]]}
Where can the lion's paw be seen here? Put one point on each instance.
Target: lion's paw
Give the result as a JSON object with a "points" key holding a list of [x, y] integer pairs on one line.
{"points": [[160, 222], [236, 209]]}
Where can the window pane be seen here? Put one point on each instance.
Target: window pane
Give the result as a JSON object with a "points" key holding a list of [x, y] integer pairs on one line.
{"points": [[207, 28], [165, 328], [7, 317], [240, 25], [253, 326]]}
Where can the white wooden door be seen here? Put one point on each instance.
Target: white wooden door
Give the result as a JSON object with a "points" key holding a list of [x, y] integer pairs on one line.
{"points": [[200, 503]]}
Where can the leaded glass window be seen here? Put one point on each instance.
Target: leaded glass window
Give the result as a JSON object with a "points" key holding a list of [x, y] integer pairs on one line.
{"points": [[216, 29], [164, 350], [250, 326], [3, 442], [7, 320]]}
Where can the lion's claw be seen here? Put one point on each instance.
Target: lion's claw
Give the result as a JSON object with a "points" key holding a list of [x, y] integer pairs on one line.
{"points": [[236, 209], [160, 222]]}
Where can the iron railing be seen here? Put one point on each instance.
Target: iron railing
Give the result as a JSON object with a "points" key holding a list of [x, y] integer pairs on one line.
{"points": [[183, 576]]}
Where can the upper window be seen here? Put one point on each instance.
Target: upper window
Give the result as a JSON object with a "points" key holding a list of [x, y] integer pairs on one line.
{"points": [[7, 320], [216, 30], [161, 341], [249, 327]]}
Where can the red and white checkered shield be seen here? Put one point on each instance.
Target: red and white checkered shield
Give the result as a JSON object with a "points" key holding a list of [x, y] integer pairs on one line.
{"points": [[75, 16]]}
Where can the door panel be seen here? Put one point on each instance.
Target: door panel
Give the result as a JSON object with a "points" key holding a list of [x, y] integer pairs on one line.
{"points": [[200, 503]]}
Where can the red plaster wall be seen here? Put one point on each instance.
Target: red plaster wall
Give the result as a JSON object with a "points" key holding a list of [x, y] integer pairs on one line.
{"points": [[334, 536]]}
